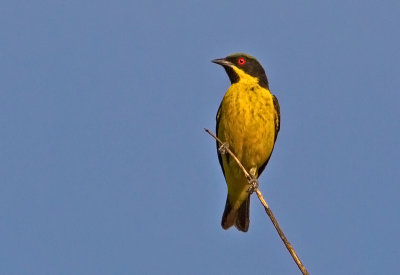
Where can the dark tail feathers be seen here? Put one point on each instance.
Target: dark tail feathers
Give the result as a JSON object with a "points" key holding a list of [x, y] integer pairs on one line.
{"points": [[239, 218]]}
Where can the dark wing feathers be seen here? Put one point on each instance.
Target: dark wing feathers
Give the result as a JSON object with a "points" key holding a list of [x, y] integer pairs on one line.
{"points": [[277, 117], [277, 127], [219, 154]]}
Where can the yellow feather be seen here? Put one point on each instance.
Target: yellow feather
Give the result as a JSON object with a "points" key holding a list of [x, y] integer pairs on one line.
{"points": [[246, 122]]}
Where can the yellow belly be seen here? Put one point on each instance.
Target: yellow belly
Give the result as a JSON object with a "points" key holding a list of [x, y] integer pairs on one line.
{"points": [[246, 124]]}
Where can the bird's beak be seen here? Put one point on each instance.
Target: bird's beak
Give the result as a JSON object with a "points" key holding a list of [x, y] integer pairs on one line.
{"points": [[222, 62]]}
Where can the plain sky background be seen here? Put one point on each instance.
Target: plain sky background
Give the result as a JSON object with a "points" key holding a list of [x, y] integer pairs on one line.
{"points": [[105, 167]]}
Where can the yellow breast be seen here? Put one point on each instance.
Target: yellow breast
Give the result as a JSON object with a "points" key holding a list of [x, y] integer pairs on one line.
{"points": [[246, 123]]}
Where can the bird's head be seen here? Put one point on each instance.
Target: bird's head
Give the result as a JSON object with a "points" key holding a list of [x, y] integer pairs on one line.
{"points": [[241, 66]]}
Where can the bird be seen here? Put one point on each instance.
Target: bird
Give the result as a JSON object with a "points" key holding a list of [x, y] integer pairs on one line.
{"points": [[248, 122]]}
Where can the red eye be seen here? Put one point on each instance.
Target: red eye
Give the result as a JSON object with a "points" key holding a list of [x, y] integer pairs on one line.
{"points": [[241, 61]]}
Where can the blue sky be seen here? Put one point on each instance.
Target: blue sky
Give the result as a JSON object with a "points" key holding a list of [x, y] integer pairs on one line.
{"points": [[105, 167]]}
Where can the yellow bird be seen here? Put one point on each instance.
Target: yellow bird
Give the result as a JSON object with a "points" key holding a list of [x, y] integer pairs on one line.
{"points": [[248, 122]]}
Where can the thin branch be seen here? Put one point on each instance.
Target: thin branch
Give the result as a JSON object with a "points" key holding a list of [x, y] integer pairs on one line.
{"points": [[230, 153], [268, 210]]}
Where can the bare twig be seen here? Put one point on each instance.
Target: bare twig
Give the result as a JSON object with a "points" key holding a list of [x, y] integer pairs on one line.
{"points": [[268, 210]]}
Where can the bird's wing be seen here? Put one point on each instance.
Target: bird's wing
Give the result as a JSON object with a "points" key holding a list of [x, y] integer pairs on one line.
{"points": [[277, 116], [277, 122], [218, 145]]}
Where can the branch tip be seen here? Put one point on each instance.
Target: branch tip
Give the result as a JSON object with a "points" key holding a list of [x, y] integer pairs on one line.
{"points": [[253, 182]]}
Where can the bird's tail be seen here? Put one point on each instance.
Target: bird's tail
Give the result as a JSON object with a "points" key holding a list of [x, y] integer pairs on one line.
{"points": [[240, 218]]}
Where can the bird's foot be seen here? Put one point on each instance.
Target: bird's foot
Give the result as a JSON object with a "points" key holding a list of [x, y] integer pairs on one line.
{"points": [[222, 148], [253, 172], [253, 182]]}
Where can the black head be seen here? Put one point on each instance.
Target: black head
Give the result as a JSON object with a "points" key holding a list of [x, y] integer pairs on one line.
{"points": [[246, 63]]}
